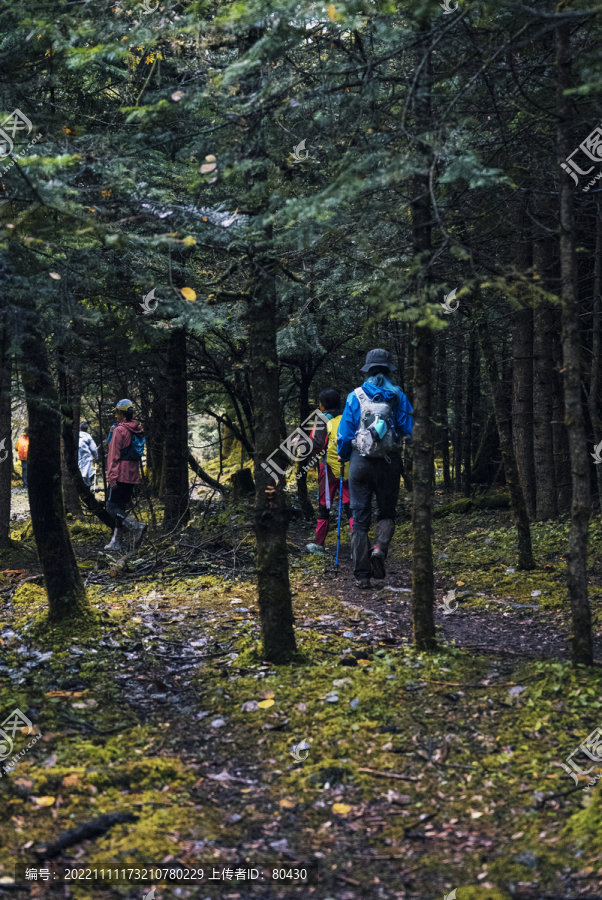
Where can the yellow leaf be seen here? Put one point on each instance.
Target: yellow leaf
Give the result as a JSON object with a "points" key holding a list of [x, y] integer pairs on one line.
{"points": [[364, 662], [189, 241], [44, 801], [69, 780], [188, 294], [461, 583], [245, 790], [55, 275], [332, 13], [207, 167], [265, 704], [341, 809], [288, 804], [210, 158]]}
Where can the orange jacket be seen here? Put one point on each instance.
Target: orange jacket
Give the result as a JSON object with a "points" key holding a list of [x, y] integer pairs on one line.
{"points": [[23, 447]]}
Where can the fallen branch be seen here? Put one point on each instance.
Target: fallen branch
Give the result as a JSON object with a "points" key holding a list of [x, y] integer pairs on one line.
{"points": [[94, 828], [205, 477], [378, 774]]}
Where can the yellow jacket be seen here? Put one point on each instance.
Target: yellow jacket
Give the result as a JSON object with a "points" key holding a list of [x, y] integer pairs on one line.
{"points": [[331, 451]]}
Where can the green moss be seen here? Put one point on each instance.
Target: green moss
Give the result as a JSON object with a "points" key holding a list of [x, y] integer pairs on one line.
{"points": [[31, 595]]}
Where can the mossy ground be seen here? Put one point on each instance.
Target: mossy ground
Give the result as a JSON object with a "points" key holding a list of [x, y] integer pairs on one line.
{"points": [[139, 713]]}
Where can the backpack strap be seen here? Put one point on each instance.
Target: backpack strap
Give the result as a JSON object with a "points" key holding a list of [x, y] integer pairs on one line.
{"points": [[361, 396]]}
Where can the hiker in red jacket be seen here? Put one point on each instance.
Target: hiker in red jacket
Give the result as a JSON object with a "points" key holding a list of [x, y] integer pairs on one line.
{"points": [[123, 473]]}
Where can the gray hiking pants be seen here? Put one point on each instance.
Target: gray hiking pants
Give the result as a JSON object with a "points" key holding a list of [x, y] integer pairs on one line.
{"points": [[368, 477]]}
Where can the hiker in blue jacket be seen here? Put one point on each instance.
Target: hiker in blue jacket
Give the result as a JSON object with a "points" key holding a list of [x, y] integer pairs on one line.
{"points": [[376, 419]]}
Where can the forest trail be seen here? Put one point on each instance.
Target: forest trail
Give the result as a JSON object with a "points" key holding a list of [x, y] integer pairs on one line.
{"points": [[424, 772]]}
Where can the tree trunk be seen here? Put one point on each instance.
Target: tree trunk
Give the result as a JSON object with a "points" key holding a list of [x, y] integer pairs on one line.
{"points": [[580, 507], [304, 410], [517, 501], [546, 500], [70, 452], [467, 431], [458, 419], [522, 365], [176, 496], [271, 517], [62, 579], [423, 589], [6, 455], [562, 455], [443, 417], [594, 378]]}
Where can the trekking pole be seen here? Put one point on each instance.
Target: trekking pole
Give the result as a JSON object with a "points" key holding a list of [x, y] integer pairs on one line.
{"points": [[339, 525]]}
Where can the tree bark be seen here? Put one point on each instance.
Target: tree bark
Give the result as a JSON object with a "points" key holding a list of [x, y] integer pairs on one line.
{"points": [[271, 516], [458, 419], [6, 455], [62, 579], [594, 378], [443, 417], [304, 411], [573, 410], [467, 431], [522, 365], [176, 496], [70, 449], [546, 500], [517, 500], [423, 589]]}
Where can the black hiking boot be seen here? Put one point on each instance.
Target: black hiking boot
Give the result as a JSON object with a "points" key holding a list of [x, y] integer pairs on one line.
{"points": [[377, 563], [363, 584]]}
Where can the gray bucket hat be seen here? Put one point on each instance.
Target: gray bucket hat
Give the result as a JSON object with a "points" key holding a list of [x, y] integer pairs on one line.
{"points": [[378, 358]]}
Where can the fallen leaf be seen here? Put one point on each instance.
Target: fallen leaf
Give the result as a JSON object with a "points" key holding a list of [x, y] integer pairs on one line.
{"points": [[65, 693], [70, 780], [210, 157], [364, 662], [288, 804], [189, 241], [188, 294], [23, 782], [516, 836], [265, 704], [250, 706], [55, 275], [266, 695], [207, 167], [177, 95], [43, 801], [341, 809]]}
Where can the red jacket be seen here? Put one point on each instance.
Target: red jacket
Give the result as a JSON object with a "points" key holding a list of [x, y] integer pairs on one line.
{"points": [[122, 469]]}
